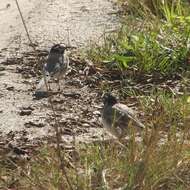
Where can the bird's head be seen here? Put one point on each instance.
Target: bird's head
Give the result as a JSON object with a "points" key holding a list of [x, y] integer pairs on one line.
{"points": [[58, 48], [109, 99]]}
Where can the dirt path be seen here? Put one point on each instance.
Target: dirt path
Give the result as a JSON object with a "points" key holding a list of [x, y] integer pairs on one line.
{"points": [[48, 22]]}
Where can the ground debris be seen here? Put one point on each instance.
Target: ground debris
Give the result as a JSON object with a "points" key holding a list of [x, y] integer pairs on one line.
{"points": [[10, 88], [30, 124], [38, 94], [26, 110], [2, 68]]}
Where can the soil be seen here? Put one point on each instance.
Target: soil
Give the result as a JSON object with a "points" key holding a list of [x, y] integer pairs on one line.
{"points": [[52, 21]]}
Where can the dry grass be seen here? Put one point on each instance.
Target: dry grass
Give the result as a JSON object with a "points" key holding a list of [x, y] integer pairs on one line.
{"points": [[158, 161]]}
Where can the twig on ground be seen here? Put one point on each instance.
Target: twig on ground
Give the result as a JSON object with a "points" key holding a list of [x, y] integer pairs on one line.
{"points": [[56, 127]]}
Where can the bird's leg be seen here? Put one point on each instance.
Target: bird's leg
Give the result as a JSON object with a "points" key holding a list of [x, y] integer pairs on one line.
{"points": [[49, 87], [62, 83], [56, 80], [58, 83]]}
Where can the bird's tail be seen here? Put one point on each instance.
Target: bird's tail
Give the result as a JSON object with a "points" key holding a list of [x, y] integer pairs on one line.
{"points": [[138, 123]]}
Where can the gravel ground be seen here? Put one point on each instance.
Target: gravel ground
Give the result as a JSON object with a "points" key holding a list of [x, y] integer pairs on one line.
{"points": [[48, 21]]}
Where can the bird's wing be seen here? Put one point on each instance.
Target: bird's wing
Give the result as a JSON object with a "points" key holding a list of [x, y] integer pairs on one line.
{"points": [[124, 109], [53, 64], [57, 68], [117, 122], [119, 118], [124, 114]]}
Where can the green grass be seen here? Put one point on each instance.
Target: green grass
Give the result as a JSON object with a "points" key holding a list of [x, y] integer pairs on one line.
{"points": [[148, 44]]}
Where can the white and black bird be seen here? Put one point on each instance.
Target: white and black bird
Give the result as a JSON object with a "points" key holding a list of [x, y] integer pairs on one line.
{"points": [[117, 117], [56, 65]]}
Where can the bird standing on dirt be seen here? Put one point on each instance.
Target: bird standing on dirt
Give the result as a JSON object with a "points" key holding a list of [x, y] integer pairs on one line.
{"points": [[117, 118], [56, 66]]}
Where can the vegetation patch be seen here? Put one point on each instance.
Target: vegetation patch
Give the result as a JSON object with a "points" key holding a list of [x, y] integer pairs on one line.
{"points": [[149, 42]]}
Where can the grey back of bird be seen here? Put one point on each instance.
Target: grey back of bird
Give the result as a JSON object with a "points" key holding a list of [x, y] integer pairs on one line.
{"points": [[56, 65], [116, 118]]}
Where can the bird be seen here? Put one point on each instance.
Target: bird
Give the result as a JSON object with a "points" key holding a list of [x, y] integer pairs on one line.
{"points": [[117, 117], [56, 66]]}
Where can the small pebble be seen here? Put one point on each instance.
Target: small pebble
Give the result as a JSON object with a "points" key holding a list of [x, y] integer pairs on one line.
{"points": [[10, 88]]}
